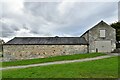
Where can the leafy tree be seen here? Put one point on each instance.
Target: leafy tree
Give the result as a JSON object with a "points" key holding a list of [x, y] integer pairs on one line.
{"points": [[1, 43], [116, 25]]}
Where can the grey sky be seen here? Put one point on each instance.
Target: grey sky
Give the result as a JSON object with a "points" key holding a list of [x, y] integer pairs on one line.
{"points": [[63, 18]]}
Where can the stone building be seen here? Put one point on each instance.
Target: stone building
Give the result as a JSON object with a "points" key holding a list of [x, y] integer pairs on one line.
{"points": [[100, 38], [40, 47]]}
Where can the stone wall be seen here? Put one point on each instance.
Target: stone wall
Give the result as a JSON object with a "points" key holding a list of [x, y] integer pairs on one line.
{"points": [[14, 52], [94, 35]]}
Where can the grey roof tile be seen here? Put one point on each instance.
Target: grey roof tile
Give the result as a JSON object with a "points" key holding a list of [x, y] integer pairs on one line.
{"points": [[47, 41]]}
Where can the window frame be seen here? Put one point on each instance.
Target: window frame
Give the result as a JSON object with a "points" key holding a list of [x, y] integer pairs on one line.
{"points": [[103, 35]]}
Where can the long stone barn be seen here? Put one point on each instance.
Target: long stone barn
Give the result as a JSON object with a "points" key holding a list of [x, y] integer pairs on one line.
{"points": [[100, 38], [40, 47]]}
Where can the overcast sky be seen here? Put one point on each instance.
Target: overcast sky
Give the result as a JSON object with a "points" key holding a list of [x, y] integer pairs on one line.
{"points": [[20, 18]]}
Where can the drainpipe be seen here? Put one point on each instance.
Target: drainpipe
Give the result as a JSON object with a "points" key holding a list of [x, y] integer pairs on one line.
{"points": [[87, 48], [88, 40], [2, 50]]}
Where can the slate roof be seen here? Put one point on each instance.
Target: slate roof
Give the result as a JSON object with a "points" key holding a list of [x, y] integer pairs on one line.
{"points": [[47, 41]]}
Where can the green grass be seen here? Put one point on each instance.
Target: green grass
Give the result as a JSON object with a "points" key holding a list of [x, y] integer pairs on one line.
{"points": [[50, 59], [104, 68]]}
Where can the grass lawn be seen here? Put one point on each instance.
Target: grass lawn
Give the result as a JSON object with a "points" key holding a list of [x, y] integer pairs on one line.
{"points": [[50, 59], [104, 68]]}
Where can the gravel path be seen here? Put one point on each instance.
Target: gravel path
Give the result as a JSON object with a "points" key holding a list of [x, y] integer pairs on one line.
{"points": [[57, 62]]}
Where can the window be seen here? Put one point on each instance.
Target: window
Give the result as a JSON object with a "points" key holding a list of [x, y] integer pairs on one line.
{"points": [[102, 33]]}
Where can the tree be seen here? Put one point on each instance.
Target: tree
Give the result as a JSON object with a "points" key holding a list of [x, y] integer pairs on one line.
{"points": [[116, 25], [1, 43]]}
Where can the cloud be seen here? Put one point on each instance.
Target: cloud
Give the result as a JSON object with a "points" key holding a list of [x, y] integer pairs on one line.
{"points": [[53, 18]]}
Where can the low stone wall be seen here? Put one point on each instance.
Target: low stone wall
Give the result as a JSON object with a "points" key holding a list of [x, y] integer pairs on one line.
{"points": [[13, 52]]}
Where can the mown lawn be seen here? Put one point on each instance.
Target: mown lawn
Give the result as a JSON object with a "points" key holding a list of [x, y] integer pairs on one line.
{"points": [[51, 59], [104, 68]]}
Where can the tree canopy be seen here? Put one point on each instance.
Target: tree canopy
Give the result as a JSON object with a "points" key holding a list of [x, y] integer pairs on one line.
{"points": [[116, 25]]}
